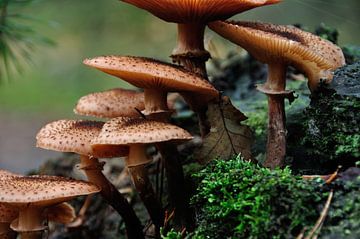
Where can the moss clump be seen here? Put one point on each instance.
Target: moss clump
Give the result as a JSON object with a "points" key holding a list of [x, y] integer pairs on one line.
{"points": [[332, 125], [237, 199]]}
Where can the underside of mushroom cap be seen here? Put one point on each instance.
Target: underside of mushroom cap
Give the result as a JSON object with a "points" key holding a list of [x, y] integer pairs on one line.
{"points": [[42, 191], [73, 136], [187, 11], [148, 73], [315, 56], [128, 131], [111, 103]]}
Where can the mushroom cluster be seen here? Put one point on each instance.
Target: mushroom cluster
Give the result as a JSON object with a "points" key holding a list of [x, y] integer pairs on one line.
{"points": [[134, 121]]}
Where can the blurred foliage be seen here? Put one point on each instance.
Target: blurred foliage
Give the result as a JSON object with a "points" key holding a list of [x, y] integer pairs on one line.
{"points": [[351, 53], [238, 199], [18, 39]]}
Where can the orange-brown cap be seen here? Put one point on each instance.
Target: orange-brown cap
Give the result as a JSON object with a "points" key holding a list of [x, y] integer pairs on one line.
{"points": [[269, 43], [148, 73], [42, 191], [73, 136], [185, 11], [62, 213], [111, 103], [128, 131]]}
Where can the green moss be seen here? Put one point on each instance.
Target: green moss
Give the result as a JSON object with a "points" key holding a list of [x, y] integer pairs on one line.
{"points": [[237, 199]]}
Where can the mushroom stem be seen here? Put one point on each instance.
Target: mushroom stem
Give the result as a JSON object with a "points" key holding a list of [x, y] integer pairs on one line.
{"points": [[190, 51], [155, 100], [276, 140], [30, 219], [142, 183], [93, 171], [178, 196]]}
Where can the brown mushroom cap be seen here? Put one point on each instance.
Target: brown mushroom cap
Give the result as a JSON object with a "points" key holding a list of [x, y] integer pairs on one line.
{"points": [[7, 214], [111, 103], [148, 73], [269, 43], [185, 11], [62, 213], [128, 131], [42, 191], [73, 136], [7, 174]]}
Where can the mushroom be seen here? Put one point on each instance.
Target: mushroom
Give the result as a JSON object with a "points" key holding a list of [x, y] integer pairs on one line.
{"points": [[111, 103], [280, 46], [31, 195], [157, 79], [136, 134], [192, 17], [75, 136]]}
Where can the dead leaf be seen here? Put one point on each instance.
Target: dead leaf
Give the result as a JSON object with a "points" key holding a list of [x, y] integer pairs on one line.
{"points": [[227, 135]]}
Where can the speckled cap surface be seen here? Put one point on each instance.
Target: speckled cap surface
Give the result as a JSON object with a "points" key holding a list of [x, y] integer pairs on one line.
{"points": [[315, 56], [7, 174], [148, 73], [111, 103], [73, 136], [127, 131], [42, 191], [186, 11]]}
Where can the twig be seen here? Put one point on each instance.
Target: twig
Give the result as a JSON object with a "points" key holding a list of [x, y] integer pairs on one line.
{"points": [[317, 227], [333, 176]]}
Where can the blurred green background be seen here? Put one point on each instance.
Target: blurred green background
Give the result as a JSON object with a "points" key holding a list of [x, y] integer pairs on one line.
{"points": [[49, 87]]}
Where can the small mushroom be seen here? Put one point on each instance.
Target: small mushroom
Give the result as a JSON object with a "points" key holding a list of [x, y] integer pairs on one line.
{"points": [[280, 46], [157, 79], [192, 17], [137, 133], [111, 104], [76, 136], [31, 195]]}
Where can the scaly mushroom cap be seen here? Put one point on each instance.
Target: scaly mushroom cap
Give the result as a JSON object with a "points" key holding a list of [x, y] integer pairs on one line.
{"points": [[316, 57], [111, 103], [127, 131], [73, 136], [42, 191], [6, 174], [148, 73], [7, 214], [186, 11]]}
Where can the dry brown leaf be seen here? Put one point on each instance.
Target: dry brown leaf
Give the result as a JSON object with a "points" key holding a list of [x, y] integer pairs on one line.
{"points": [[227, 135]]}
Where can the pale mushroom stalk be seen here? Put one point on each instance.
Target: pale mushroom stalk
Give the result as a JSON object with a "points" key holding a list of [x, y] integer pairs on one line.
{"points": [[93, 171], [190, 51], [276, 138], [140, 178], [30, 218]]}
